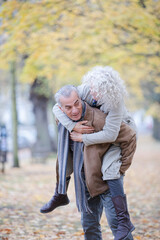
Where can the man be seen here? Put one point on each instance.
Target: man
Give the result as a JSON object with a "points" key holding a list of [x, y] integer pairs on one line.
{"points": [[98, 195]]}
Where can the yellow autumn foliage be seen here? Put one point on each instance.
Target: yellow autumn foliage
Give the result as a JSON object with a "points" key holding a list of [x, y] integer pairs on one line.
{"points": [[64, 39]]}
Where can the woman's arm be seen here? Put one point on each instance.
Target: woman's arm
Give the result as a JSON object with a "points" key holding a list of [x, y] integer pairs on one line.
{"points": [[110, 130], [69, 124], [85, 95]]}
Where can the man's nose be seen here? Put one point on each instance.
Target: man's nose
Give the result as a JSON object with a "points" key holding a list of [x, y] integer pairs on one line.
{"points": [[74, 110]]}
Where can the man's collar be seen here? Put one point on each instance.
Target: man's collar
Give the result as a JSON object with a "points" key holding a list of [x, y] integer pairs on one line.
{"points": [[83, 111]]}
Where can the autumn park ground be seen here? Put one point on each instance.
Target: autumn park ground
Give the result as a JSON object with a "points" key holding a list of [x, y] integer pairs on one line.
{"points": [[23, 191]]}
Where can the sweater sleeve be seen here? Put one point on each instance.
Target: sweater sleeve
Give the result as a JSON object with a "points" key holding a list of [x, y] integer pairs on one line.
{"points": [[110, 130], [62, 118], [84, 92]]}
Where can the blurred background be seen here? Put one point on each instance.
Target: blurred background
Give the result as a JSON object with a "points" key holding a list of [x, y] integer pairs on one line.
{"points": [[45, 44]]}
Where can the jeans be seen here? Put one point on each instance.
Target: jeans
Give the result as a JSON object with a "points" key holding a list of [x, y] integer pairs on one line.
{"points": [[116, 187], [91, 221]]}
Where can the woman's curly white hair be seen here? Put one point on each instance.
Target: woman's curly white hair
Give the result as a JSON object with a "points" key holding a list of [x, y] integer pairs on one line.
{"points": [[107, 83]]}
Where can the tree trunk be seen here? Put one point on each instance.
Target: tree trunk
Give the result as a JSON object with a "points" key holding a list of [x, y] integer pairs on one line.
{"points": [[14, 115], [156, 129], [43, 146]]}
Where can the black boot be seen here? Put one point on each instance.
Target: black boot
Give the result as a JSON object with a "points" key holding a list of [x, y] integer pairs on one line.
{"points": [[125, 227], [56, 201]]}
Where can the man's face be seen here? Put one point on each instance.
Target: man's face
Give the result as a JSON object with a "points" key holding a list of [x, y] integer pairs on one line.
{"points": [[72, 106]]}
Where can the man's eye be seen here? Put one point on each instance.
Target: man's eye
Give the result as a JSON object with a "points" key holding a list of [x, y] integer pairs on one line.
{"points": [[77, 103]]}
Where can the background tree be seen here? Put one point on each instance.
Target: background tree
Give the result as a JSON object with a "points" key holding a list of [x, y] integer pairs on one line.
{"points": [[39, 98], [64, 39], [14, 114]]}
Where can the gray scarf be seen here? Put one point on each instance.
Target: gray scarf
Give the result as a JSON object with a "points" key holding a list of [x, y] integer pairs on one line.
{"points": [[63, 148]]}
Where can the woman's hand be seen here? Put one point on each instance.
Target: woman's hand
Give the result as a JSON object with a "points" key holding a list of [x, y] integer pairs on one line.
{"points": [[80, 127], [77, 137]]}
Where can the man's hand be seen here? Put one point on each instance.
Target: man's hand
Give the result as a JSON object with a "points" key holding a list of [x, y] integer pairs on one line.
{"points": [[77, 137], [81, 128]]}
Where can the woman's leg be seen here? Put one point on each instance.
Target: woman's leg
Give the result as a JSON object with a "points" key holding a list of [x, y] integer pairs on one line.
{"points": [[57, 199], [125, 227], [116, 187], [110, 211]]}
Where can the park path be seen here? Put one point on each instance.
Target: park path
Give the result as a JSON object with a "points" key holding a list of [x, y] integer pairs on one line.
{"points": [[23, 191]]}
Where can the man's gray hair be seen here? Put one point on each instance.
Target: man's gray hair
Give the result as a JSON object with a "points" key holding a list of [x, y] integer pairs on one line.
{"points": [[65, 91]]}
